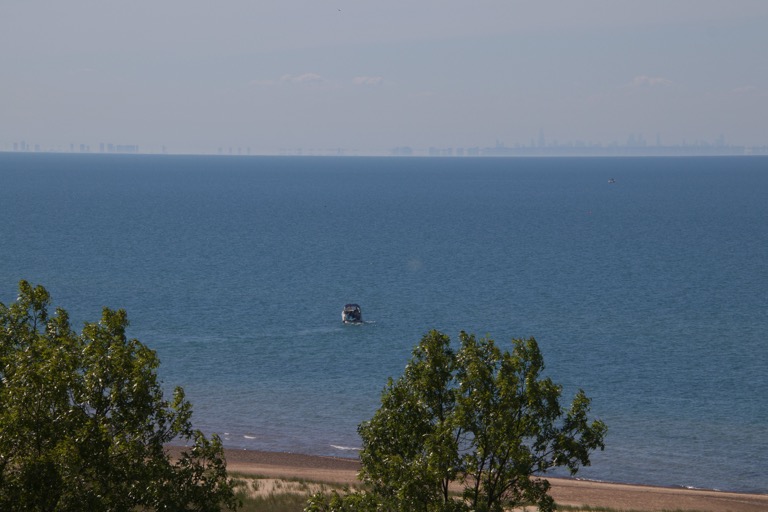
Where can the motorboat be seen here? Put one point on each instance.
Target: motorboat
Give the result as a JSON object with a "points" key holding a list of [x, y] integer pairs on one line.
{"points": [[351, 314]]}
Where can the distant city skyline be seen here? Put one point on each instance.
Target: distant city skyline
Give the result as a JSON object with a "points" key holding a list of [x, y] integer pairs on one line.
{"points": [[635, 144], [195, 76]]}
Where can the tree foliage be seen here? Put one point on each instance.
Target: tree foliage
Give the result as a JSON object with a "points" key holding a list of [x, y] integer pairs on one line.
{"points": [[83, 420], [473, 429]]}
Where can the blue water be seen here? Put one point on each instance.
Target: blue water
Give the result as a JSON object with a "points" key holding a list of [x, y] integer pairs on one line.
{"points": [[651, 293]]}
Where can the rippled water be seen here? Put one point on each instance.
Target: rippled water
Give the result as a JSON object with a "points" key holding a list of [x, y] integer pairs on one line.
{"points": [[650, 293]]}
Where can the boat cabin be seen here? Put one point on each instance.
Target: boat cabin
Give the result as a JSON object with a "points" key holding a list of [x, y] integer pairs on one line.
{"points": [[351, 314]]}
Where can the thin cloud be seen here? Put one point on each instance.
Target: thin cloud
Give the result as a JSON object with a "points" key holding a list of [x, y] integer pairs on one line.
{"points": [[745, 89], [304, 78], [650, 81], [367, 80]]}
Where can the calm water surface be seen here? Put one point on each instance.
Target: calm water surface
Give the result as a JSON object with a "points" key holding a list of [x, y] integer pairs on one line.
{"points": [[651, 293]]}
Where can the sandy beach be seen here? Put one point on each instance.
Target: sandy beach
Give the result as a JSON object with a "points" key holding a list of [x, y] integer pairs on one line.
{"points": [[566, 492]]}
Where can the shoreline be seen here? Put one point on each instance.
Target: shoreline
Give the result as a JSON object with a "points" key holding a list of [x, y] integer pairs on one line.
{"points": [[566, 491]]}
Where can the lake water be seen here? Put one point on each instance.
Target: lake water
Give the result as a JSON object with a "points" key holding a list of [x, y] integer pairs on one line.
{"points": [[650, 293]]}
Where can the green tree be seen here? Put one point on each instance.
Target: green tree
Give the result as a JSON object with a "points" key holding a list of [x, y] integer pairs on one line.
{"points": [[84, 424], [512, 426], [480, 421], [411, 447]]}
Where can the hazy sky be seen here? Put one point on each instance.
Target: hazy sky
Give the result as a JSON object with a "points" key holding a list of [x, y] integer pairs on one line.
{"points": [[371, 75]]}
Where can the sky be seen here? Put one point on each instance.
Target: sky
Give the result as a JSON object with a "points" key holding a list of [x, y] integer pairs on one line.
{"points": [[368, 76]]}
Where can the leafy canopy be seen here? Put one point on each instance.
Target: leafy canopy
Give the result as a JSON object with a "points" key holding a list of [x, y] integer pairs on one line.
{"points": [[83, 420], [472, 429]]}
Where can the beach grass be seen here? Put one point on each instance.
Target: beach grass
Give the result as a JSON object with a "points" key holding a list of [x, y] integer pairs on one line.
{"points": [[268, 494], [275, 503]]}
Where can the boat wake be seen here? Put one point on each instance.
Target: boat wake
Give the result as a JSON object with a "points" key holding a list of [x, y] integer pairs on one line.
{"points": [[345, 448]]}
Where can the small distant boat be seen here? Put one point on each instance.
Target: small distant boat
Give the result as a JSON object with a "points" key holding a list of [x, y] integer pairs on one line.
{"points": [[351, 314], [611, 180]]}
